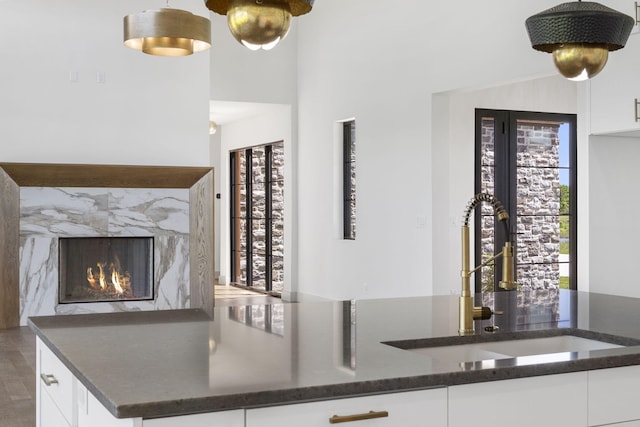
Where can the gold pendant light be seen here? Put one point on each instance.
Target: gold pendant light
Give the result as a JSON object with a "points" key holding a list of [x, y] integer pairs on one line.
{"points": [[259, 24], [167, 32], [579, 35]]}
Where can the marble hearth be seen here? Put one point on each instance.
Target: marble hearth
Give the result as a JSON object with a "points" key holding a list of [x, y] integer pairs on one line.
{"points": [[172, 205]]}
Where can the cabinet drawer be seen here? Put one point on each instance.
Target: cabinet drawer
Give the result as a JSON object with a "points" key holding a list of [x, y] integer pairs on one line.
{"points": [[56, 381], [215, 419], [407, 409], [548, 400], [613, 395]]}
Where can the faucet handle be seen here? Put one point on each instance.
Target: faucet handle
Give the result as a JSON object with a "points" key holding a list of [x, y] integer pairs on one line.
{"points": [[508, 282], [484, 313]]}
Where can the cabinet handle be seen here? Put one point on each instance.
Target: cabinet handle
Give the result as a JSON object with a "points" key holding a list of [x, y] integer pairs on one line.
{"points": [[49, 379], [358, 417], [636, 103]]}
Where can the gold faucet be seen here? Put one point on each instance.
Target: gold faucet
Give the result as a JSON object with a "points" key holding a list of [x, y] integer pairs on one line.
{"points": [[469, 313]]}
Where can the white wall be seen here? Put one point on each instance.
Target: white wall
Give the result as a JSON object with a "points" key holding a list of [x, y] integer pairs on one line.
{"points": [[238, 74], [382, 65], [614, 207], [379, 63], [216, 162], [453, 171], [411, 77], [149, 110]]}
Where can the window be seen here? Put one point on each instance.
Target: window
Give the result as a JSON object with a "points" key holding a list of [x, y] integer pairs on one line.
{"points": [[257, 217], [349, 179], [528, 162]]}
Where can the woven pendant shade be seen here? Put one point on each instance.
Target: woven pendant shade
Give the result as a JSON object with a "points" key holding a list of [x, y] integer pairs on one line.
{"points": [[579, 23], [579, 35]]}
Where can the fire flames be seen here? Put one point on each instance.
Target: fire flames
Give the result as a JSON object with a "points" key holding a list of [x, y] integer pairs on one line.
{"points": [[109, 280]]}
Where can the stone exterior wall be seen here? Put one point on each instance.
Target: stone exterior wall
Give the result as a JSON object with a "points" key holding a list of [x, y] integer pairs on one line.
{"points": [[538, 204], [277, 214], [538, 207]]}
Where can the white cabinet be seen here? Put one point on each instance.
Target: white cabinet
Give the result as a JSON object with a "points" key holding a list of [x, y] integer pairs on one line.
{"points": [[214, 419], [48, 413], [55, 390], [613, 396], [91, 413], [594, 398], [62, 401], [551, 400], [407, 409], [614, 90]]}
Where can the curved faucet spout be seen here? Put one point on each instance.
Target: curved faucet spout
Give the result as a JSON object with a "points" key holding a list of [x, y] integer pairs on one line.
{"points": [[498, 210], [469, 313]]}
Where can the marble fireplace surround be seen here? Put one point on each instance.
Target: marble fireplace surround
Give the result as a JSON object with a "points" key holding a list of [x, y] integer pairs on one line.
{"points": [[198, 181]]}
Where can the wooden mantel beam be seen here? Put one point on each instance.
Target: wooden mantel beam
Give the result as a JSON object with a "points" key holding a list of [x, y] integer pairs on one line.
{"points": [[109, 176]]}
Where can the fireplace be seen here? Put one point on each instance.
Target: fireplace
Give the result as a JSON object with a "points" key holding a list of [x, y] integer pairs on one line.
{"points": [[103, 269]]}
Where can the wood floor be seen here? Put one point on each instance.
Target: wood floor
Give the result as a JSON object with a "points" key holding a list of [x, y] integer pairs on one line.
{"points": [[17, 377], [231, 295], [18, 362]]}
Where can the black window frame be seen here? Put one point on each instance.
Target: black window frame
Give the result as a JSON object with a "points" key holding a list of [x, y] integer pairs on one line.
{"points": [[234, 176], [505, 181], [348, 184]]}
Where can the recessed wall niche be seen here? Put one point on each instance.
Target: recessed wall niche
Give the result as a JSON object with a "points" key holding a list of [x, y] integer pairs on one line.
{"points": [[195, 184]]}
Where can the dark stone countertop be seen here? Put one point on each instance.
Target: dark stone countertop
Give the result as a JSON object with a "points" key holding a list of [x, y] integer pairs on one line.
{"points": [[166, 363]]}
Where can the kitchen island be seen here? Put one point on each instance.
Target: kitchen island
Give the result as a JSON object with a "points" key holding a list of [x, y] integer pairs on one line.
{"points": [[154, 365]]}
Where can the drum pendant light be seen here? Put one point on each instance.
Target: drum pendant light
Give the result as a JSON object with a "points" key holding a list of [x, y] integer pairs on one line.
{"points": [[167, 32]]}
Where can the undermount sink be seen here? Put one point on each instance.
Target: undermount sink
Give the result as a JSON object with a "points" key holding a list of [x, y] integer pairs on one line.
{"points": [[460, 353], [514, 345], [514, 348]]}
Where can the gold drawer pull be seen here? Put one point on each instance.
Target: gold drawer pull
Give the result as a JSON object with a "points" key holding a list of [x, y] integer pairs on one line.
{"points": [[49, 379], [358, 417]]}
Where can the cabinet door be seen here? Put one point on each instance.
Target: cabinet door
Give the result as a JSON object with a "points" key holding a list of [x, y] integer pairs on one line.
{"points": [[409, 409], [613, 92], [49, 414], [551, 400], [91, 413], [56, 382], [613, 395]]}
